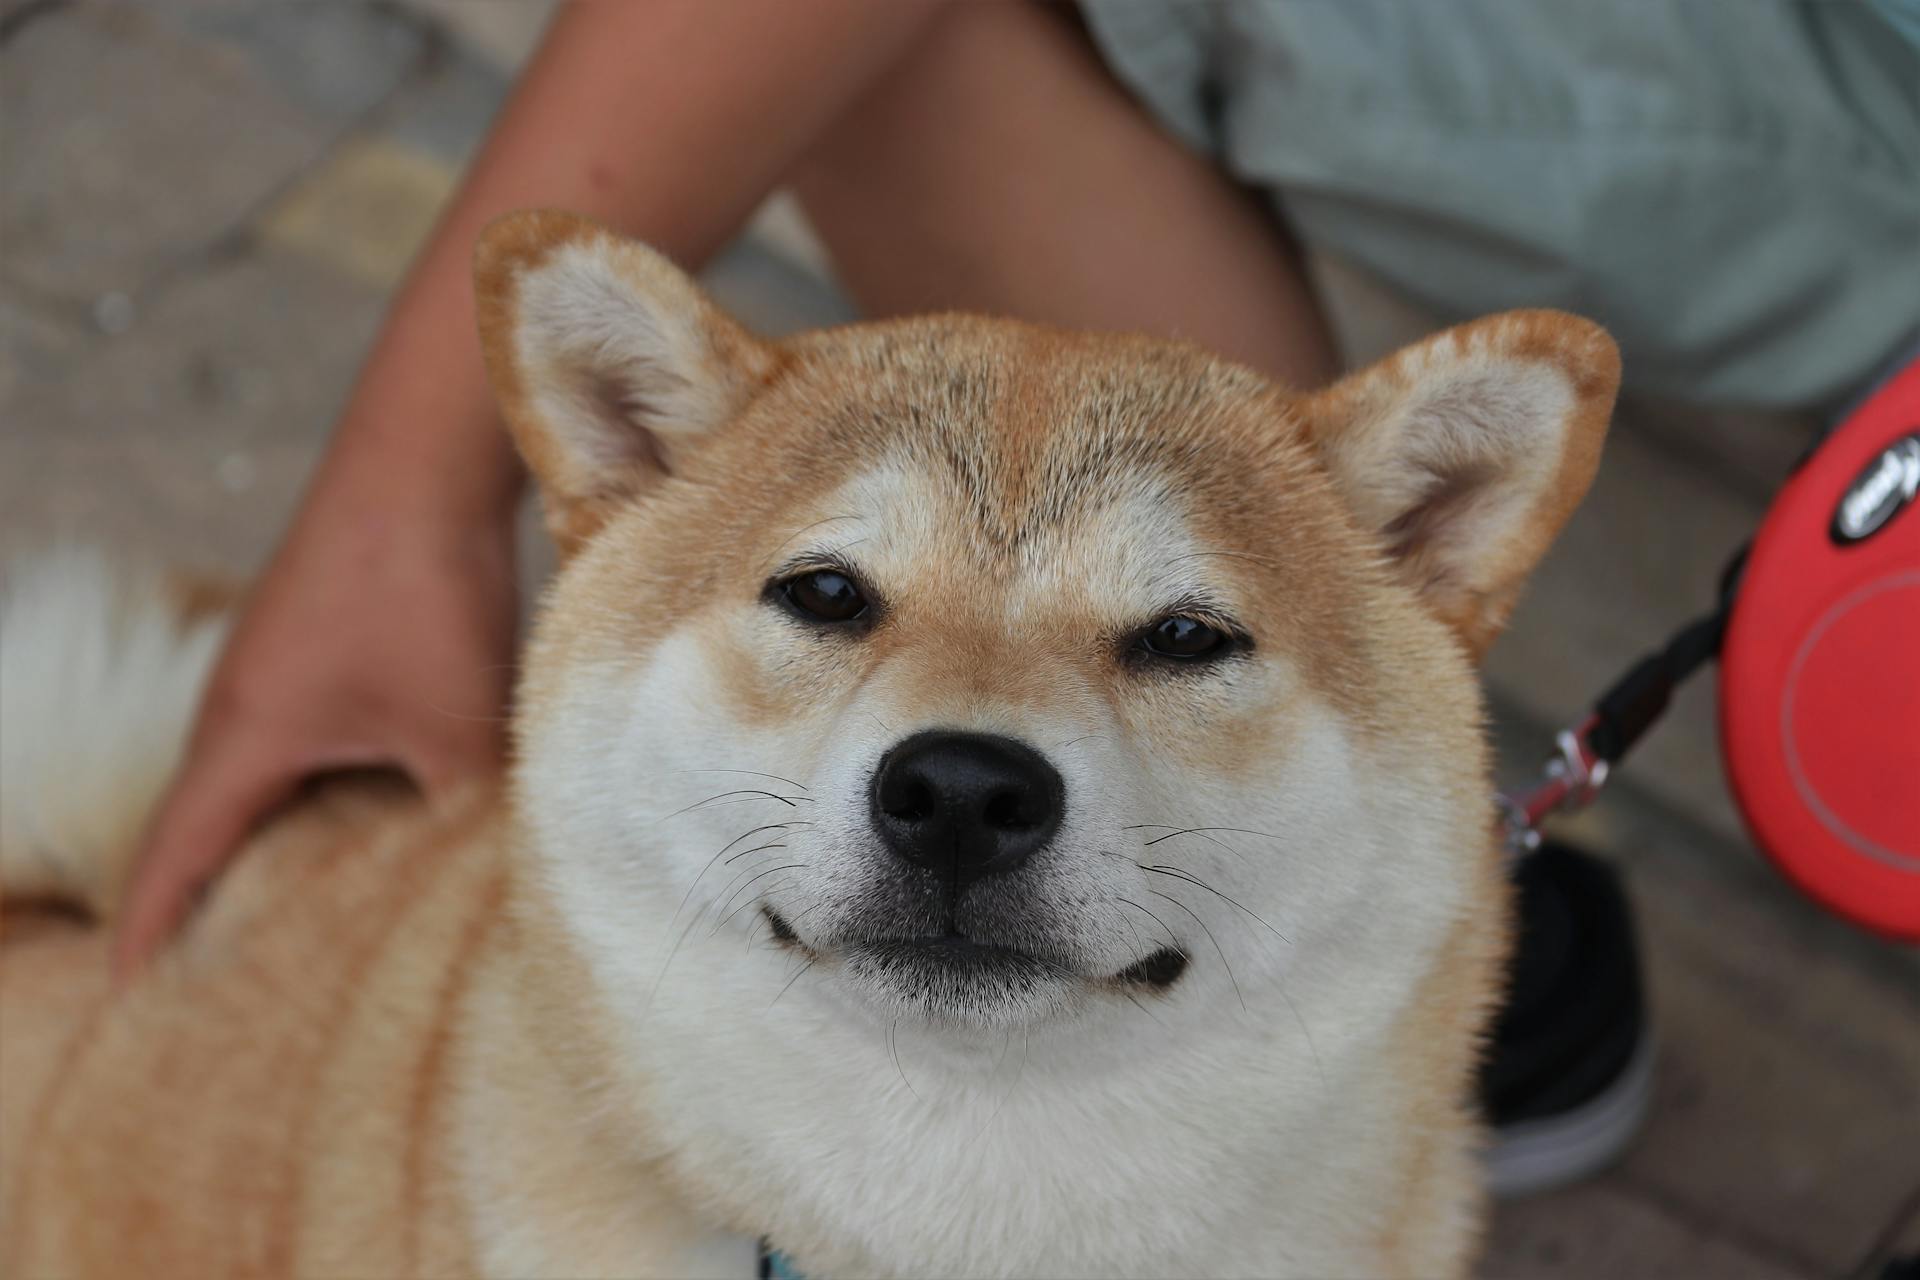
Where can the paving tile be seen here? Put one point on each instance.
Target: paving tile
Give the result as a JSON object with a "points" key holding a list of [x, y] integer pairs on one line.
{"points": [[33, 346], [190, 434], [369, 205], [127, 147], [1748, 452], [1601, 1232], [330, 61], [15, 15], [502, 32], [139, 136], [365, 210], [444, 106], [1787, 1103]]}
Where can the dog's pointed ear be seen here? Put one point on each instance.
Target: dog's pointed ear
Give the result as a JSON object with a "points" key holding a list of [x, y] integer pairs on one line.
{"points": [[1467, 452], [607, 361]]}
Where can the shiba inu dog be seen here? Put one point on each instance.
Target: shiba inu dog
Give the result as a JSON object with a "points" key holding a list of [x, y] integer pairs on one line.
{"points": [[987, 801]]}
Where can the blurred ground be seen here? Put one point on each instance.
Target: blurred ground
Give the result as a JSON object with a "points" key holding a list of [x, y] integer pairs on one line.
{"points": [[202, 207]]}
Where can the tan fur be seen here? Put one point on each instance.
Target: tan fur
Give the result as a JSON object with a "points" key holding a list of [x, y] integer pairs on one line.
{"points": [[383, 1049], [266, 1102]]}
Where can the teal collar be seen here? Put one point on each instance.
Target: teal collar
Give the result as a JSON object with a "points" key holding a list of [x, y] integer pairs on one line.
{"points": [[774, 1265]]}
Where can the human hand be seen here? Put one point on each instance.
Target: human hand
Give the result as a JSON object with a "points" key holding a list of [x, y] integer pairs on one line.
{"points": [[378, 635]]}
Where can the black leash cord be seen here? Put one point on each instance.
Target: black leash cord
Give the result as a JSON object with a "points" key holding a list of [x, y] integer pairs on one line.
{"points": [[1633, 702]]}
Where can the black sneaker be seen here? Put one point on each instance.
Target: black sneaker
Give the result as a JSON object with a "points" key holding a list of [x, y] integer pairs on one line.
{"points": [[1567, 1082]]}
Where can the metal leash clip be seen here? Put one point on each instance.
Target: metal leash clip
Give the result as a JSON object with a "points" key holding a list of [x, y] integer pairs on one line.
{"points": [[1573, 777], [1572, 780]]}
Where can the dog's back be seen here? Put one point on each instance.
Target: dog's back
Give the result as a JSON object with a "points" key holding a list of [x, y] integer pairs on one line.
{"points": [[279, 1072]]}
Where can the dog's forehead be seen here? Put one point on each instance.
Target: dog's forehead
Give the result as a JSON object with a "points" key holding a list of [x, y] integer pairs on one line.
{"points": [[905, 521], [1018, 438]]}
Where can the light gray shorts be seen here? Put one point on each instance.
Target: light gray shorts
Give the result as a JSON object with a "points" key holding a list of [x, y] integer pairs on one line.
{"points": [[1731, 186]]}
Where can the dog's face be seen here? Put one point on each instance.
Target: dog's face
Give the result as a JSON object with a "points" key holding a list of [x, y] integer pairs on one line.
{"points": [[983, 676]]}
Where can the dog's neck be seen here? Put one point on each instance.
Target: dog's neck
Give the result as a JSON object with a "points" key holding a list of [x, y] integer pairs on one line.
{"points": [[1178, 1148], [1169, 1147], [556, 1165]]}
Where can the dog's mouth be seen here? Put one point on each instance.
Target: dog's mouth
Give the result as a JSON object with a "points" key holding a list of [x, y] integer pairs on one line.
{"points": [[952, 963], [1157, 972], [782, 931]]}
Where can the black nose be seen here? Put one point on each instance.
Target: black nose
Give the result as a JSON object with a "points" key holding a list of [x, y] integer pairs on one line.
{"points": [[966, 805]]}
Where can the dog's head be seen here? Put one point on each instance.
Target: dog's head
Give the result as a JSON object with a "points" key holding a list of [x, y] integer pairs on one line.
{"points": [[987, 675]]}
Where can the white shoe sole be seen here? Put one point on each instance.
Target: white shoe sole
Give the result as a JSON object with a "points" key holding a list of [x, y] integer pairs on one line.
{"points": [[1539, 1155]]}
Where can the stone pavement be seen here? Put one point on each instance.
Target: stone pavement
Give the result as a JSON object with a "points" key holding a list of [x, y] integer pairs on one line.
{"points": [[203, 205]]}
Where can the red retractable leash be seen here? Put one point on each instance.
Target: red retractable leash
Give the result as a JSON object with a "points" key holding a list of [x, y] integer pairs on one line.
{"points": [[1818, 635]]}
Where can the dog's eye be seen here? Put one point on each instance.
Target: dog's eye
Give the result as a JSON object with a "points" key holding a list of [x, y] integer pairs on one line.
{"points": [[1184, 639], [826, 595]]}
